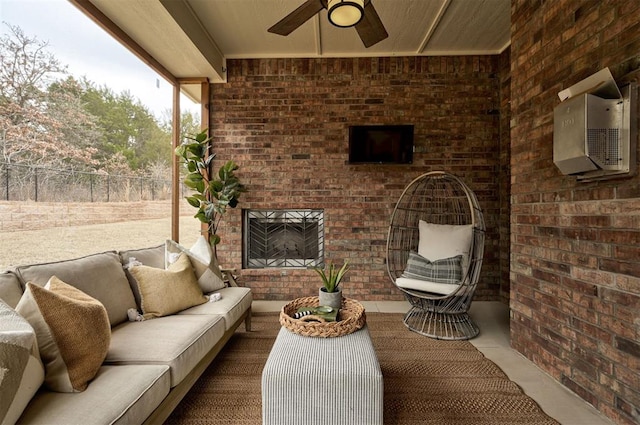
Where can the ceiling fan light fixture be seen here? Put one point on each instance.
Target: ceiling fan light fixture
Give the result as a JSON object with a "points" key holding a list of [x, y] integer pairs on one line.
{"points": [[345, 13]]}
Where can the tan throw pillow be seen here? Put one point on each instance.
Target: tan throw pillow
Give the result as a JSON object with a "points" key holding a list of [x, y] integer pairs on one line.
{"points": [[72, 331], [203, 260], [164, 292]]}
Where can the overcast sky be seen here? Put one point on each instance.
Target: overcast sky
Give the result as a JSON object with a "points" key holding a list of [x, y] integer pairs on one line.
{"points": [[89, 51]]}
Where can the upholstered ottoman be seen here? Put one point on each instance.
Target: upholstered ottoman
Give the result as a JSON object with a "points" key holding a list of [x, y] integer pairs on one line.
{"points": [[309, 380]]}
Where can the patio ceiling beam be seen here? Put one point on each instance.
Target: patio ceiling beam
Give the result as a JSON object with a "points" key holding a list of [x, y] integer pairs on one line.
{"points": [[189, 22]]}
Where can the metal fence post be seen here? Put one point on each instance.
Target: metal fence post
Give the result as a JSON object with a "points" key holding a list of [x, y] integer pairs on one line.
{"points": [[35, 180]]}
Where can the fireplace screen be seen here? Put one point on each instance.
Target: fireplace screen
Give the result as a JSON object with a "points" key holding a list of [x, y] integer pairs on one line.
{"points": [[283, 238]]}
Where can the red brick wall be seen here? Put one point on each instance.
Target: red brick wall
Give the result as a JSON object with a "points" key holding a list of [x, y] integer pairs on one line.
{"points": [[575, 274], [285, 121]]}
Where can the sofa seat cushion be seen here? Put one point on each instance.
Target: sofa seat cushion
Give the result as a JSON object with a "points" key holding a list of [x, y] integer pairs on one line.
{"points": [[117, 395], [234, 302], [100, 276], [177, 341], [10, 288]]}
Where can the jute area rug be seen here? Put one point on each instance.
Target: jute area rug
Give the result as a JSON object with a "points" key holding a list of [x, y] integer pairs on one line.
{"points": [[426, 381]]}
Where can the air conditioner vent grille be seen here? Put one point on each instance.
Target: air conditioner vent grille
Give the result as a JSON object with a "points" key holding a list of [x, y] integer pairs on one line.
{"points": [[604, 146]]}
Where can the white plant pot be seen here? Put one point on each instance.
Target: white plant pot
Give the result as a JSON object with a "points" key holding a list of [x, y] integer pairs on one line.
{"points": [[332, 299]]}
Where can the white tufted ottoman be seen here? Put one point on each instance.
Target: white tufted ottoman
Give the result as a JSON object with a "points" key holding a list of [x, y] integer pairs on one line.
{"points": [[309, 381]]}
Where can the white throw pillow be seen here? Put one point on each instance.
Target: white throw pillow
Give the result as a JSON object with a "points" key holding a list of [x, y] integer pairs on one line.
{"points": [[21, 371], [439, 241], [204, 263]]}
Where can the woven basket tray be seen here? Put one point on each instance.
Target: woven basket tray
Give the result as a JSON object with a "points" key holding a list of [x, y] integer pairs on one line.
{"points": [[352, 318]]}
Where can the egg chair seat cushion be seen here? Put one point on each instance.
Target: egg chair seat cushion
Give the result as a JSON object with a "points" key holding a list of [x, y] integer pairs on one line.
{"points": [[426, 286]]}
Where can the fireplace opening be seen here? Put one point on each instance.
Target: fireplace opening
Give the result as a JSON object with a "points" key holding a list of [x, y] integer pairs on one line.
{"points": [[283, 238]]}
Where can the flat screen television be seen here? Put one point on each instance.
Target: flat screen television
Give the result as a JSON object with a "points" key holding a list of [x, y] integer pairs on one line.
{"points": [[381, 144]]}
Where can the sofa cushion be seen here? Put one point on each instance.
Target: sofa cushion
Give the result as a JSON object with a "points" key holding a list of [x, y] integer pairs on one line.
{"points": [[117, 395], [164, 292], [203, 260], [152, 257], [233, 303], [72, 331], [10, 288], [21, 371], [177, 341], [99, 276]]}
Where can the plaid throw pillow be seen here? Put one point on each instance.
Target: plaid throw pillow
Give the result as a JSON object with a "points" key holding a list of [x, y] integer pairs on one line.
{"points": [[447, 270]]}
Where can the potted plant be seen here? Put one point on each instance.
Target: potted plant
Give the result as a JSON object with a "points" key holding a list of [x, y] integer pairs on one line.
{"points": [[330, 294], [214, 192]]}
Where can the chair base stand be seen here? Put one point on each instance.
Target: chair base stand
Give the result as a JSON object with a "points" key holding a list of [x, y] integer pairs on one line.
{"points": [[449, 326]]}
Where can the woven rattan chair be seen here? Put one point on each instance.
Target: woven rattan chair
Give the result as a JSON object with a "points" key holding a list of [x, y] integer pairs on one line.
{"points": [[446, 206]]}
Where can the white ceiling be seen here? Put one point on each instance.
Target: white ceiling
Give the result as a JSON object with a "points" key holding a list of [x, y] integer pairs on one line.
{"points": [[193, 38]]}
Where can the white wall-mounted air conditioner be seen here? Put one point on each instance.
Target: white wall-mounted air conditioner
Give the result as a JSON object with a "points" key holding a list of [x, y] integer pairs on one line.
{"points": [[594, 129]]}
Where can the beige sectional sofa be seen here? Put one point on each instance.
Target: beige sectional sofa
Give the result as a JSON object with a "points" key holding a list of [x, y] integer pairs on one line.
{"points": [[149, 365]]}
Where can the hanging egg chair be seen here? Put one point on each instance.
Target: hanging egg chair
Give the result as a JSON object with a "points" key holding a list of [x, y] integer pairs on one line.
{"points": [[434, 253]]}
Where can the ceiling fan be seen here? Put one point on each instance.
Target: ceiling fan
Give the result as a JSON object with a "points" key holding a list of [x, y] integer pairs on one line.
{"points": [[342, 13]]}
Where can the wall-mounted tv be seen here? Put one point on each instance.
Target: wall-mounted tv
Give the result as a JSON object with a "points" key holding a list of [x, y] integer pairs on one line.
{"points": [[381, 144]]}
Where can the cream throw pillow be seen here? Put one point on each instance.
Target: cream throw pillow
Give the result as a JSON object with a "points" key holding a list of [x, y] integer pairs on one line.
{"points": [[164, 292], [204, 262], [438, 241], [21, 371], [72, 331]]}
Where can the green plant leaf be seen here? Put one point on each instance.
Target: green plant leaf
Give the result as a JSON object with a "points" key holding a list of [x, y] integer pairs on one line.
{"points": [[216, 186], [193, 201], [331, 277], [191, 184], [202, 136], [195, 149], [214, 239], [200, 216], [194, 176]]}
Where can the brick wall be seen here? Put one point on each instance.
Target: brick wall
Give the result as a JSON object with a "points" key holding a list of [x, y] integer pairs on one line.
{"points": [[285, 121], [575, 274]]}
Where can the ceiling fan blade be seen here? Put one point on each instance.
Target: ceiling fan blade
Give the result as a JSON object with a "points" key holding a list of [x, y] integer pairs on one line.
{"points": [[298, 17], [370, 28]]}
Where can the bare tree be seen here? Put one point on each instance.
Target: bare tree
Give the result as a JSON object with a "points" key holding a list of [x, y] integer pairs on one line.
{"points": [[36, 123]]}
